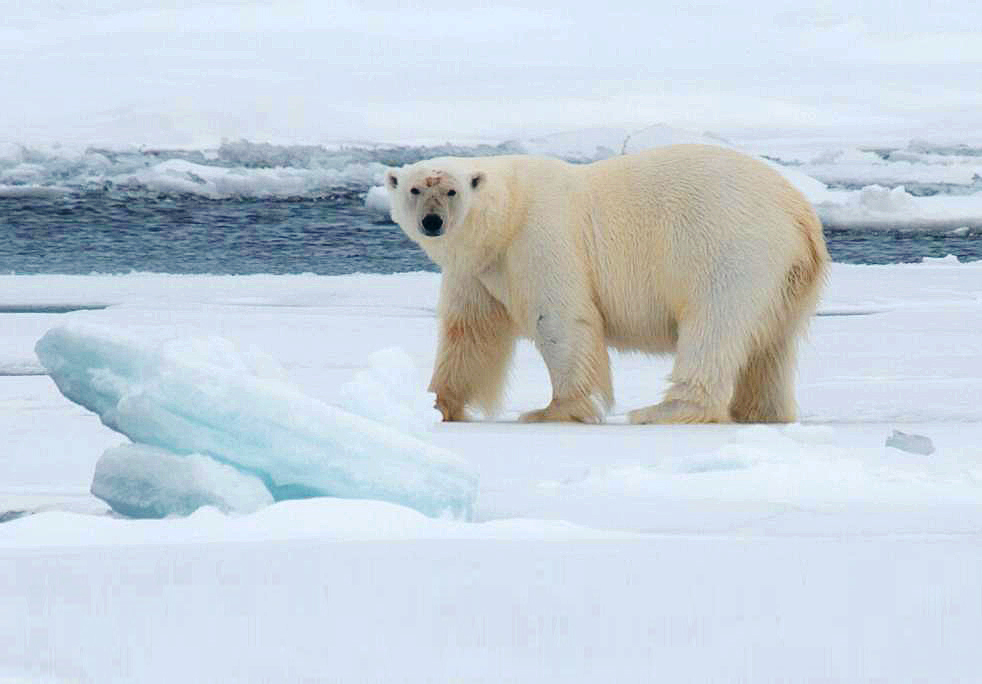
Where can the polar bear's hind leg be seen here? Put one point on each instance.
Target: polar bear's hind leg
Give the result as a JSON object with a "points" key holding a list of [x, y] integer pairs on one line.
{"points": [[715, 340], [764, 391]]}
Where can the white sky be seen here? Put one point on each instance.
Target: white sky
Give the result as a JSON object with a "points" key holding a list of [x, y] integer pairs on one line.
{"points": [[159, 72]]}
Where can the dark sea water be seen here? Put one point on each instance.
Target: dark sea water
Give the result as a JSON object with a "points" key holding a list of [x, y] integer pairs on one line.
{"points": [[108, 232], [246, 207], [98, 232]]}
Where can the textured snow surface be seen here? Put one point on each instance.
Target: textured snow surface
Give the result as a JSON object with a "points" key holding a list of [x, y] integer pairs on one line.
{"points": [[805, 552]]}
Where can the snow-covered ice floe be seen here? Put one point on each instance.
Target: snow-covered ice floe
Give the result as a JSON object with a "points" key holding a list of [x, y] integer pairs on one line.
{"points": [[809, 552], [207, 403], [936, 188], [912, 186]]}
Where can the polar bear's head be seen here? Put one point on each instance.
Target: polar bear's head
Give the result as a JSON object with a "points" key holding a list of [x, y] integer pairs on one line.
{"points": [[432, 198]]}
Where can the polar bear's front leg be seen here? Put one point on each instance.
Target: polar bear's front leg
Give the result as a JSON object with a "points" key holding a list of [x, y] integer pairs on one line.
{"points": [[476, 341], [573, 348]]}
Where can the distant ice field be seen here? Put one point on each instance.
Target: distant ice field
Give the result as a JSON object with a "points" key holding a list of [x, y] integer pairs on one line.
{"points": [[245, 208]]}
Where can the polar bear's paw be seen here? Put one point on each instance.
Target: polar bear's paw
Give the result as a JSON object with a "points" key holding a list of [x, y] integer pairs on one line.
{"points": [[452, 411], [676, 411], [588, 410]]}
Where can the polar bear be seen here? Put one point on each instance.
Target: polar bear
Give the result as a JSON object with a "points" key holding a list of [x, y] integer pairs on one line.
{"points": [[692, 249]]}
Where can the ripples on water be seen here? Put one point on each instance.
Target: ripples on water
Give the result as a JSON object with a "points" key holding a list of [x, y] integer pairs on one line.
{"points": [[109, 232], [121, 233]]}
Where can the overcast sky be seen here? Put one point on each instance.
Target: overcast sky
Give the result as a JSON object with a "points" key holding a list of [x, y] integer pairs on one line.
{"points": [[147, 72]]}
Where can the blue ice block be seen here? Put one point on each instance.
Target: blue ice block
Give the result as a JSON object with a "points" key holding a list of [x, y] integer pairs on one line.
{"points": [[195, 399], [142, 481]]}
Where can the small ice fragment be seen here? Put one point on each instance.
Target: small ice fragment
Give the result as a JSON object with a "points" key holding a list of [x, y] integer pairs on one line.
{"points": [[887, 200], [377, 200], [947, 259], [142, 481], [914, 444]]}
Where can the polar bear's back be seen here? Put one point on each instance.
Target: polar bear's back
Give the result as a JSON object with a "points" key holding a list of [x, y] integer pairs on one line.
{"points": [[678, 226], [697, 192]]}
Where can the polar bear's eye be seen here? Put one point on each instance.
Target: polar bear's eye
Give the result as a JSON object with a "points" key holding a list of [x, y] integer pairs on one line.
{"points": [[415, 191], [451, 193]]}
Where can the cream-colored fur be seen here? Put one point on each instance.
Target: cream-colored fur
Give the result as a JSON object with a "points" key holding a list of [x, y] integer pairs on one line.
{"points": [[694, 249]]}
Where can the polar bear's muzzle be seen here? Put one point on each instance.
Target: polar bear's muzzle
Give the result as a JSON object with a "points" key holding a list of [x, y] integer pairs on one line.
{"points": [[431, 225]]}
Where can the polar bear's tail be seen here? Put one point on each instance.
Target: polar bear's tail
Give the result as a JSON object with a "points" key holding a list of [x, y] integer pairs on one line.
{"points": [[808, 271]]}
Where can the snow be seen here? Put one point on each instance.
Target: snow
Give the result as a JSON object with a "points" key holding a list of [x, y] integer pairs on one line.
{"points": [[885, 200], [498, 610], [768, 553], [591, 144], [915, 185], [388, 391], [874, 206], [169, 75], [201, 396], [178, 176], [881, 200], [810, 552]]}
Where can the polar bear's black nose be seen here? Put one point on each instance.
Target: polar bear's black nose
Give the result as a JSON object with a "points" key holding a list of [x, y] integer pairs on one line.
{"points": [[432, 225]]}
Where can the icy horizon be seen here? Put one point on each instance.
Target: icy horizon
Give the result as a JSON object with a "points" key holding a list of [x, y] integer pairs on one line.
{"points": [[914, 184]]}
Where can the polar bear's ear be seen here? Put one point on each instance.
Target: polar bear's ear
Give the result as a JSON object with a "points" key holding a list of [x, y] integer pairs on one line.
{"points": [[476, 180], [391, 180]]}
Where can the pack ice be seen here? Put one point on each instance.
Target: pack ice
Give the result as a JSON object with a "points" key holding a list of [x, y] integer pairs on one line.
{"points": [[210, 422]]}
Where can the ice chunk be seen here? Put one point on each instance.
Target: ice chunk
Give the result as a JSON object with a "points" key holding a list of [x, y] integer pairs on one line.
{"points": [[887, 200], [946, 259], [180, 176], [177, 397], [377, 200], [147, 482], [914, 444]]}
